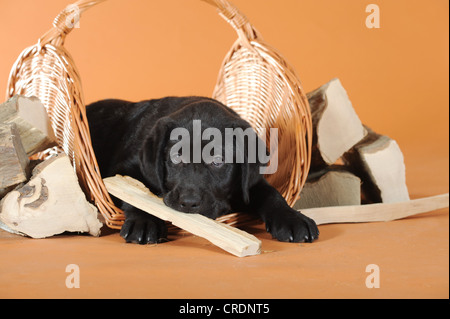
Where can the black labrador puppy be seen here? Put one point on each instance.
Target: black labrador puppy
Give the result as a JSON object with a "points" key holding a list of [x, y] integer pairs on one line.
{"points": [[138, 140]]}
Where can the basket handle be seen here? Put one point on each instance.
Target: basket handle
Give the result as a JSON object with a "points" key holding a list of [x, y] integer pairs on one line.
{"points": [[65, 21], [236, 18]]}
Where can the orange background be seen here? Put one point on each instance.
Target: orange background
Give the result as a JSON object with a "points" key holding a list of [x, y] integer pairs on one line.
{"points": [[397, 78]]}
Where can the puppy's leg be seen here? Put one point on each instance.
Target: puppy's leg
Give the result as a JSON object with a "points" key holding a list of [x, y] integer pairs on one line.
{"points": [[283, 222], [142, 228]]}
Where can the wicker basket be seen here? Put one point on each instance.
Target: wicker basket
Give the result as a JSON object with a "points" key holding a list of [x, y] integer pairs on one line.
{"points": [[254, 80]]}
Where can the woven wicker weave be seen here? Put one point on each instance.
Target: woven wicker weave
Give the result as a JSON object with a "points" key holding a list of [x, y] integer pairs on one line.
{"points": [[254, 80]]}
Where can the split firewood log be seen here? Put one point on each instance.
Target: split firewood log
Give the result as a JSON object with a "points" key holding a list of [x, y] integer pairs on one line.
{"points": [[333, 186], [13, 159], [32, 121], [232, 240], [379, 162], [379, 212], [336, 126], [51, 203]]}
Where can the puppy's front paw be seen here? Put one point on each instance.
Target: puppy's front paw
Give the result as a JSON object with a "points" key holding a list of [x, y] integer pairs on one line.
{"points": [[292, 226], [142, 228]]}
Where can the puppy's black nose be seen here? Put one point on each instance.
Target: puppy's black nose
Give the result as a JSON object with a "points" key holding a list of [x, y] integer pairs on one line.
{"points": [[190, 203]]}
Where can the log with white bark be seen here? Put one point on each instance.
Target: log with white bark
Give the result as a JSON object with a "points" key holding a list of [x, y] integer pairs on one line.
{"points": [[32, 121], [333, 186], [379, 162], [13, 159], [230, 239], [51, 203], [336, 126]]}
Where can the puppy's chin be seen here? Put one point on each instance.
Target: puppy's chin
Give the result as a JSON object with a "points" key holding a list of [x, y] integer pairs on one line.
{"points": [[213, 214], [218, 209]]}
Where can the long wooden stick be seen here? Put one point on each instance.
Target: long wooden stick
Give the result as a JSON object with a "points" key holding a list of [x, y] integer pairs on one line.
{"points": [[230, 239], [376, 212]]}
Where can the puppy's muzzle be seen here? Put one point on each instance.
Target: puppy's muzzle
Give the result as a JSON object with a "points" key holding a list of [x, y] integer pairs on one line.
{"points": [[185, 200]]}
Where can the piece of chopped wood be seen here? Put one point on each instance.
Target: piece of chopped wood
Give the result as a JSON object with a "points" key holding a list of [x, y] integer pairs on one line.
{"points": [[381, 212], [336, 126], [32, 121], [51, 203], [13, 159], [333, 186], [230, 239], [379, 162]]}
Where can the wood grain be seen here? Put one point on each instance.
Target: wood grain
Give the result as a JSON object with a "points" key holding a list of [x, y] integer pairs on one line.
{"points": [[230, 239], [376, 212]]}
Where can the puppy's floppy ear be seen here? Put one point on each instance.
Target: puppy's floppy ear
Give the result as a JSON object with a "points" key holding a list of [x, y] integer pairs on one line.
{"points": [[152, 155], [250, 175], [245, 181]]}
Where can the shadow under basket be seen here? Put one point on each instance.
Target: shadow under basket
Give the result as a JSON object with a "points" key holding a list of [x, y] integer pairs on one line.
{"points": [[254, 80]]}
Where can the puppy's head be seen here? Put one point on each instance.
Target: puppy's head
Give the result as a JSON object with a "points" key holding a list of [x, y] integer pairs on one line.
{"points": [[187, 160]]}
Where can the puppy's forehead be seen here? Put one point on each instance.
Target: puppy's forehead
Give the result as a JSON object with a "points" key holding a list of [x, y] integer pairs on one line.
{"points": [[210, 114]]}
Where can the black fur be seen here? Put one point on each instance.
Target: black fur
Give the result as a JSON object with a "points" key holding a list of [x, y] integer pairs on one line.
{"points": [[133, 139]]}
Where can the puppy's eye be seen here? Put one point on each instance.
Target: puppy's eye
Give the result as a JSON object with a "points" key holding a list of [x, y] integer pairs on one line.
{"points": [[176, 158], [217, 161]]}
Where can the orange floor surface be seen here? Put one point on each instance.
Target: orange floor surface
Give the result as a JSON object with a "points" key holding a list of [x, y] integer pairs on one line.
{"points": [[412, 256]]}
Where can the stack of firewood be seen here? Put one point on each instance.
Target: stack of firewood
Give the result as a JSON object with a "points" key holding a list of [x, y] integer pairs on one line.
{"points": [[38, 198], [350, 164]]}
